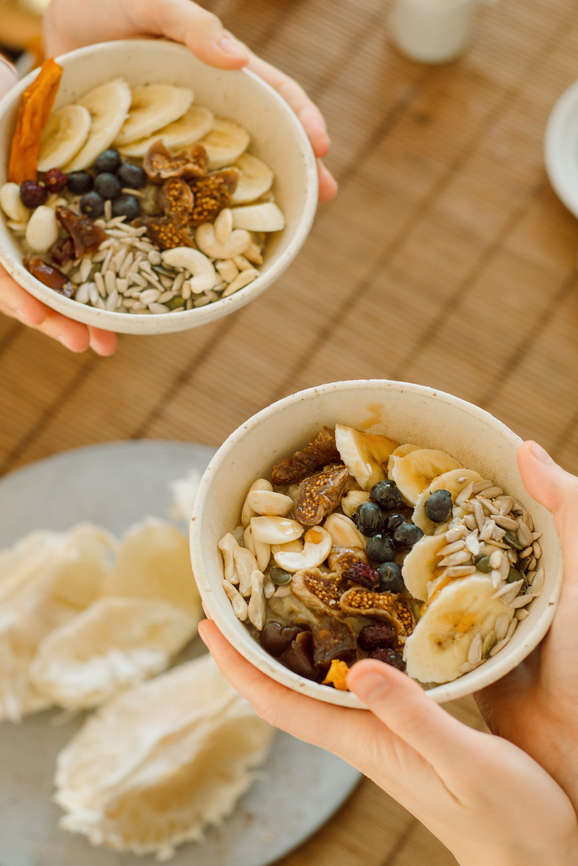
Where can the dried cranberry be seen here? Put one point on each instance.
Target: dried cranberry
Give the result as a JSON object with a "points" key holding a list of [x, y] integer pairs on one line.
{"points": [[361, 574], [333, 639], [55, 180], [276, 638], [86, 236], [50, 276], [299, 656], [389, 656], [62, 251], [371, 637], [32, 194]]}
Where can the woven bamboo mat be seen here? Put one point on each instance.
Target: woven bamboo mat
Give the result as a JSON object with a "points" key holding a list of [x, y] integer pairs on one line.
{"points": [[446, 260]]}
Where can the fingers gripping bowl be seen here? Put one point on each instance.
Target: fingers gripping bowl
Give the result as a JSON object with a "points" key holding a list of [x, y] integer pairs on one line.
{"points": [[276, 138], [406, 413]]}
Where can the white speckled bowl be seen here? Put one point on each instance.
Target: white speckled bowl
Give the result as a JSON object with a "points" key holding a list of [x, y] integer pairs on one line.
{"points": [[408, 413], [276, 136]]}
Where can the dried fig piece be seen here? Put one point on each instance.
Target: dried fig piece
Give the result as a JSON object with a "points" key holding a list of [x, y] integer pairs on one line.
{"points": [[276, 638], [62, 251], [160, 164], [361, 574], [381, 605], [299, 656], [175, 198], [212, 194], [319, 591], [50, 276], [320, 451], [86, 235], [333, 639], [166, 231], [342, 558], [319, 495]]}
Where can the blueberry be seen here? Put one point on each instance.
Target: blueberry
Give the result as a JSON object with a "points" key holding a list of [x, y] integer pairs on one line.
{"points": [[386, 494], [406, 534], [131, 175], [108, 185], [438, 506], [79, 182], [390, 577], [392, 521], [368, 518], [380, 548], [92, 204], [109, 160], [126, 205]]}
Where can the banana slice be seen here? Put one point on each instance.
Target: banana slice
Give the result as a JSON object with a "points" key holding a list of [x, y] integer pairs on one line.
{"points": [[402, 451], [152, 107], [194, 124], [225, 143], [421, 564], [416, 471], [364, 454], [442, 638], [63, 136], [256, 178], [258, 218], [108, 106], [454, 482]]}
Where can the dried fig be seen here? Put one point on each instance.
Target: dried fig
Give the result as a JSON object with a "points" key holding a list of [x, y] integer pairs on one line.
{"points": [[175, 198], [86, 235], [50, 276], [320, 451], [333, 639], [213, 193], [319, 495], [160, 164], [166, 231]]}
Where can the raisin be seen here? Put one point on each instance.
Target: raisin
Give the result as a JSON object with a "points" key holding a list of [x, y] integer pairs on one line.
{"points": [[377, 636], [55, 180], [361, 574], [390, 657], [86, 236]]}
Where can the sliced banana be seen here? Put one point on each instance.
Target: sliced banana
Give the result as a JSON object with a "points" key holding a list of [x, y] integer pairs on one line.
{"points": [[152, 107], [416, 471], [364, 454], [454, 482], [421, 564], [108, 105], [256, 178], [225, 143], [188, 129], [402, 451], [11, 203], [442, 637], [265, 217], [63, 136]]}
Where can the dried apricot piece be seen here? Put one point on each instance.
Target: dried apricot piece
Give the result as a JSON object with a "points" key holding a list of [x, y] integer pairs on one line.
{"points": [[319, 495], [86, 235], [37, 102], [337, 675], [50, 276], [320, 451]]}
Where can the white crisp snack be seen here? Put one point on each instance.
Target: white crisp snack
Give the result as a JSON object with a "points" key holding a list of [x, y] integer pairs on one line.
{"points": [[157, 765]]}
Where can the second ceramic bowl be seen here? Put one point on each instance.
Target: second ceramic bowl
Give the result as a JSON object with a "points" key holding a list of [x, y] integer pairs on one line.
{"points": [[408, 413], [277, 137]]}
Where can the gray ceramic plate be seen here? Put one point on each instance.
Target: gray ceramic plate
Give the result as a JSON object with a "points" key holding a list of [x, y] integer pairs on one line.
{"points": [[299, 787]]}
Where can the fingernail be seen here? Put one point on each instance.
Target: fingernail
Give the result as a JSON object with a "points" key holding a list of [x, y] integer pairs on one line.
{"points": [[229, 46], [541, 455], [371, 687]]}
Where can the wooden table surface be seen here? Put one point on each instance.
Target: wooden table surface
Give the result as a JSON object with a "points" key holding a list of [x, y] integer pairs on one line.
{"points": [[445, 260]]}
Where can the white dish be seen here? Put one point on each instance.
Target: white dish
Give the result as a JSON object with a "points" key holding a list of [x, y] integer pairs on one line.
{"points": [[561, 148], [277, 137], [407, 413], [298, 788]]}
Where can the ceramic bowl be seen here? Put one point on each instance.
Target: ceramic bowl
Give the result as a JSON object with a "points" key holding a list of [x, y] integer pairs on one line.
{"points": [[408, 413], [561, 148], [277, 137]]}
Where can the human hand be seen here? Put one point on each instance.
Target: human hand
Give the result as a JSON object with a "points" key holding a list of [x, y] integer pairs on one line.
{"points": [[536, 705], [70, 24], [486, 800]]}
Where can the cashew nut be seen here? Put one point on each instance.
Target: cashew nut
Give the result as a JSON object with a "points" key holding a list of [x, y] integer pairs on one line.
{"points": [[42, 229], [228, 545], [237, 601], [242, 279], [261, 551], [276, 530], [207, 241], [257, 609], [223, 226], [343, 531], [245, 564], [11, 203], [227, 269], [267, 502], [203, 271], [247, 513], [318, 543], [354, 498]]}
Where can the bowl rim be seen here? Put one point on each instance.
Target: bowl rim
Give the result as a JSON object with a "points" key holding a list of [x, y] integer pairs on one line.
{"points": [[148, 324], [244, 643], [554, 138]]}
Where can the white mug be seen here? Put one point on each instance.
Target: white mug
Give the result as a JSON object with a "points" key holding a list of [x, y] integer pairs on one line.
{"points": [[433, 31]]}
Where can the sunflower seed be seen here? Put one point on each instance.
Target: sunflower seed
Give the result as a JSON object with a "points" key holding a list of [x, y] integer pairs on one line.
{"points": [[452, 548], [108, 209], [85, 267], [138, 280], [475, 650], [121, 285], [458, 558], [506, 522], [466, 668], [470, 521], [505, 503], [99, 282], [522, 613], [481, 486], [512, 555], [493, 492], [489, 506], [496, 578], [82, 294], [512, 628], [509, 591], [524, 535], [528, 520], [538, 583], [537, 535], [100, 304], [126, 264], [537, 550], [189, 304], [92, 293], [167, 296], [504, 567], [498, 533], [455, 533], [110, 282], [522, 600], [112, 301], [149, 296], [107, 260], [496, 559], [526, 552], [118, 260], [464, 494], [201, 301], [501, 626], [460, 570], [488, 529], [500, 645], [478, 514], [158, 308], [472, 544]]}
